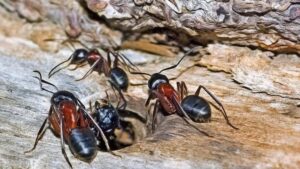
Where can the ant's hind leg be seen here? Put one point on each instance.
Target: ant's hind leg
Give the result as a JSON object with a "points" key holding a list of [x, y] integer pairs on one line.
{"points": [[41, 131], [121, 96], [218, 102], [40, 134]]}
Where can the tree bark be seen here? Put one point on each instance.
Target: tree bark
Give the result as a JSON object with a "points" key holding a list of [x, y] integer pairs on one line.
{"points": [[245, 61]]}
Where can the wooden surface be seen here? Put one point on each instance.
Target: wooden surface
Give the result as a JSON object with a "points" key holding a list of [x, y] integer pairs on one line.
{"points": [[269, 124], [266, 24], [259, 89]]}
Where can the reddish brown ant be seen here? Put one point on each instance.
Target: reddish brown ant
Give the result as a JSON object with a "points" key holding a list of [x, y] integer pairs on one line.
{"points": [[118, 78], [69, 120], [192, 107]]}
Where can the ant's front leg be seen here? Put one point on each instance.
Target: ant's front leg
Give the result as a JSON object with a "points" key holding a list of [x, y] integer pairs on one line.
{"points": [[90, 70], [78, 66], [154, 116]]}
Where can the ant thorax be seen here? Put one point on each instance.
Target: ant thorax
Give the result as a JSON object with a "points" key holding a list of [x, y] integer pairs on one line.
{"points": [[93, 56]]}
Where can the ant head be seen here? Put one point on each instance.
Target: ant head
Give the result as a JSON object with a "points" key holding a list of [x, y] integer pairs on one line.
{"points": [[79, 56], [60, 96], [157, 79], [106, 116]]}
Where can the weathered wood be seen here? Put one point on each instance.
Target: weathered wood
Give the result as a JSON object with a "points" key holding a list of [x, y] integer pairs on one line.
{"points": [[271, 25], [268, 136], [258, 89]]}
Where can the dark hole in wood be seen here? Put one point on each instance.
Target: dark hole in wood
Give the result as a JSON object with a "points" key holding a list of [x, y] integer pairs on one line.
{"points": [[134, 129]]}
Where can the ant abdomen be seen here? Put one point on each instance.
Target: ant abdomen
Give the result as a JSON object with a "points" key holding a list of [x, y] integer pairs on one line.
{"points": [[197, 108], [119, 78], [83, 144]]}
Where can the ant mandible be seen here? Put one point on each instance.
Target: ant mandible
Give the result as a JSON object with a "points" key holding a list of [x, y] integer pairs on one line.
{"points": [[118, 78], [191, 107], [69, 120]]}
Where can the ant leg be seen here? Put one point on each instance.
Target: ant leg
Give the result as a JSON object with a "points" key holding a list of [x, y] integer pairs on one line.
{"points": [[124, 105], [184, 89], [185, 116], [129, 66], [117, 56], [91, 107], [218, 102], [62, 142], [179, 90], [114, 90], [90, 70], [115, 64], [75, 40], [100, 130], [148, 99], [41, 132], [154, 115], [108, 59], [115, 94]]}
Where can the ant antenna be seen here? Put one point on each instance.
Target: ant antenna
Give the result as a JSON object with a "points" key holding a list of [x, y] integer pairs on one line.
{"points": [[140, 73], [53, 71], [174, 66], [171, 67], [68, 40], [41, 81]]}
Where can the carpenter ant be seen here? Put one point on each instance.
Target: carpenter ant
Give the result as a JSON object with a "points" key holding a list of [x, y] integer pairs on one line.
{"points": [[69, 120], [192, 107], [118, 78]]}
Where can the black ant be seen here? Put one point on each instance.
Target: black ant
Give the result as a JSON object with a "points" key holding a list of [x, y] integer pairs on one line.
{"points": [[109, 120], [118, 78], [192, 107], [69, 120]]}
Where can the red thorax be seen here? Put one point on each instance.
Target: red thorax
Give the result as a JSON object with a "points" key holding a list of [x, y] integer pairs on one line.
{"points": [[72, 118]]}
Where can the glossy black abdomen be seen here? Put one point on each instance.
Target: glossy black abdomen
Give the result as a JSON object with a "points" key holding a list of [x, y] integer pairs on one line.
{"points": [[83, 144], [197, 108], [119, 78]]}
